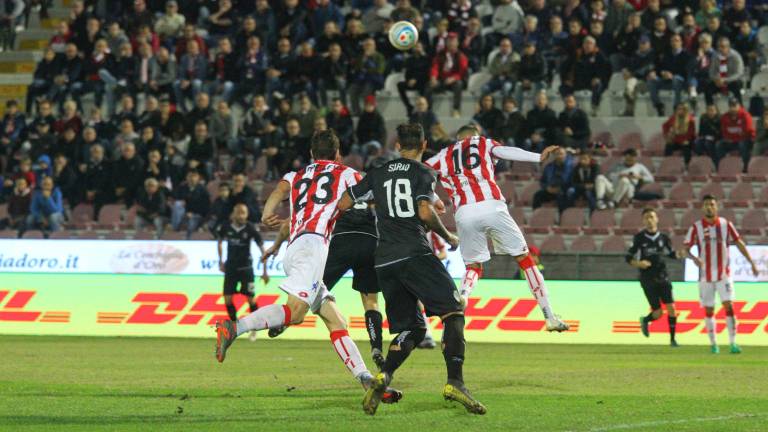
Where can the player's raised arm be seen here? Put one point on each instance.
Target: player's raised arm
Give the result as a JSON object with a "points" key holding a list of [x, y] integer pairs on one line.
{"points": [[268, 217], [520, 155]]}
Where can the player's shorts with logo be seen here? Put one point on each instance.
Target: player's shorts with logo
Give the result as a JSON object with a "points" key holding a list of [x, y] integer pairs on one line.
{"points": [[352, 251], [405, 282], [657, 290], [724, 288], [304, 263], [242, 276], [478, 222]]}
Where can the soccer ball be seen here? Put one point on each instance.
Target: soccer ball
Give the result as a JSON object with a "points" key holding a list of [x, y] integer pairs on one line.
{"points": [[403, 35]]}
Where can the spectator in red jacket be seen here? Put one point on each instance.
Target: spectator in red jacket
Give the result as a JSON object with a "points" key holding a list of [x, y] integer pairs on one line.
{"points": [[680, 132], [449, 70], [737, 131]]}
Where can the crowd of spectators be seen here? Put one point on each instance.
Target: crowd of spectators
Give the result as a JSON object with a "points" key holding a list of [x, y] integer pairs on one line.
{"points": [[169, 74]]}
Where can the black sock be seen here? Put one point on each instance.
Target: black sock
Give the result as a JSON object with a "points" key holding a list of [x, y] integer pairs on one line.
{"points": [[453, 347], [648, 318], [232, 312], [400, 348], [373, 322], [672, 326], [252, 306]]}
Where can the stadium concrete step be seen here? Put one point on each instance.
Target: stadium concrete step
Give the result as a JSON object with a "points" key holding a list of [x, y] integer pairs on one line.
{"points": [[21, 63]]}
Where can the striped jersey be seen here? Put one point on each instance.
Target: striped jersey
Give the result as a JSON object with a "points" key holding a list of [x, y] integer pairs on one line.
{"points": [[315, 190], [467, 171], [712, 240]]}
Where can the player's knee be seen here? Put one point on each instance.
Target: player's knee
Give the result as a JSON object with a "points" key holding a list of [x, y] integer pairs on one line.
{"points": [[671, 310], [370, 301], [298, 310], [656, 313], [709, 312], [728, 306]]}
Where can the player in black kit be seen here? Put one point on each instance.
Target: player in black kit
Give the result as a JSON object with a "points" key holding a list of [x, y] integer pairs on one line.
{"points": [[649, 247], [238, 269], [403, 193]]}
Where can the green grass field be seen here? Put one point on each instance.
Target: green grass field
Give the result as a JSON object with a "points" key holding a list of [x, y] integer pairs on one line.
{"points": [[77, 384]]}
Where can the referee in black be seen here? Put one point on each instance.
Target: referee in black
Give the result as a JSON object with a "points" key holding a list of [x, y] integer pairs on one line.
{"points": [[649, 247], [238, 269]]}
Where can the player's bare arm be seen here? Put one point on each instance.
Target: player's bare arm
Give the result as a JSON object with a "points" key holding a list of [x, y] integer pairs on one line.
{"points": [[520, 155], [282, 235], [429, 216], [264, 274], [686, 253], [220, 247], [269, 218], [641, 264], [345, 203], [743, 249]]}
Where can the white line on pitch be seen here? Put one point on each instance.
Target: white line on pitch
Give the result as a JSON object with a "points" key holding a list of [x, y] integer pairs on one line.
{"points": [[669, 422]]}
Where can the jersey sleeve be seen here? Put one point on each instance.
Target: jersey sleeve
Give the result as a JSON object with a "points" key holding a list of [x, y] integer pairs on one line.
{"points": [[668, 249], [289, 177], [221, 231], [733, 235], [690, 237], [361, 191], [634, 251], [425, 186], [256, 235], [434, 161]]}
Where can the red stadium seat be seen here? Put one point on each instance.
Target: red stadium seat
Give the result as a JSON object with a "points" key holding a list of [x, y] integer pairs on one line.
{"points": [[518, 214], [630, 140], [715, 189], [115, 235], [689, 217], [35, 234], [601, 222], [9, 234], [553, 243], [173, 235], [87, 235], [729, 169], [655, 145], [741, 195], [522, 171], [678, 241], [3, 211], [61, 235], [508, 190], [728, 214], [700, 168], [757, 169], [542, 220], [82, 215], [583, 244], [631, 221], [603, 137], [266, 190], [679, 195], [201, 235], [762, 200], [571, 221], [143, 235], [110, 216], [213, 189], [130, 217], [671, 169], [526, 196], [614, 243], [753, 222], [667, 220]]}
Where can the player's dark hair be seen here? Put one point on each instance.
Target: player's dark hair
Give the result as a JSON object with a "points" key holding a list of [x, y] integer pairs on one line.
{"points": [[410, 136], [709, 197], [468, 128], [648, 210], [325, 144]]}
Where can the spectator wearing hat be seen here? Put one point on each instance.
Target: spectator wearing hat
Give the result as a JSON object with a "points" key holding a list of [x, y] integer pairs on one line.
{"points": [[449, 70], [737, 132], [371, 129], [725, 72]]}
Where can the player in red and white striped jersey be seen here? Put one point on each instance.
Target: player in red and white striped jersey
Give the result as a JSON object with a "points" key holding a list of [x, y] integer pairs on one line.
{"points": [[314, 192], [467, 172], [712, 235]]}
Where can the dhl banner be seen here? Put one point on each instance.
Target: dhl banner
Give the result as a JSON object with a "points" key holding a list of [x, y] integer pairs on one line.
{"points": [[499, 310]]}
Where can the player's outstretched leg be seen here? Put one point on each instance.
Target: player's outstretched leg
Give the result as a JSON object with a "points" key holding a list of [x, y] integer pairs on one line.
{"points": [[399, 350], [271, 316], [453, 353], [539, 290], [345, 347], [709, 323], [472, 274], [730, 321], [672, 321]]}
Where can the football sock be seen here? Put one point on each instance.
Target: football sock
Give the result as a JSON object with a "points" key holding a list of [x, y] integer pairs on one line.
{"points": [[400, 348], [252, 306], [347, 350], [648, 318], [373, 322], [453, 347], [272, 316], [672, 326], [731, 323], [709, 322], [536, 284], [470, 280], [428, 332], [231, 311]]}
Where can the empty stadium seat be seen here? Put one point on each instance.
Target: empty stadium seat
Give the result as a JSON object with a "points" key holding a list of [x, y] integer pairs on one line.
{"points": [[213, 189], [82, 215], [583, 244], [526, 196], [601, 222], [260, 169], [757, 169], [3, 211], [9, 234], [715, 189], [518, 214], [508, 190], [173, 235], [34, 234], [655, 145], [614, 243], [678, 241], [87, 235], [729, 169], [476, 82], [553, 243], [571, 221], [201, 235], [630, 140], [631, 221], [667, 219], [762, 200], [390, 83], [671, 168], [143, 235], [522, 171], [753, 222], [679, 195], [542, 220], [741, 195], [115, 235], [61, 235], [689, 217], [700, 168], [110, 216]]}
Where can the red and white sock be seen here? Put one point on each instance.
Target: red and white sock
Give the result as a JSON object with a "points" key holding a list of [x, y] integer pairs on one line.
{"points": [[272, 316], [536, 284], [709, 322], [731, 322], [347, 350], [470, 280]]}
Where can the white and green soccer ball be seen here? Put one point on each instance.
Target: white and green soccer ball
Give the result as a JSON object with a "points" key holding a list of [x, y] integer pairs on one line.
{"points": [[403, 35]]}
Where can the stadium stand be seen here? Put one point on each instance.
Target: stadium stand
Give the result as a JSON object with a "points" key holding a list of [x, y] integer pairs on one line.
{"points": [[258, 81]]}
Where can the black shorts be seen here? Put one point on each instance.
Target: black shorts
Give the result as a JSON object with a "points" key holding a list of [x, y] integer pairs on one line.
{"points": [[657, 291], [352, 252], [406, 282], [244, 277]]}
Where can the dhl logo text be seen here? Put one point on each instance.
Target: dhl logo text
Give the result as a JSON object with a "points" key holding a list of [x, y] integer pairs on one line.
{"points": [[13, 308], [690, 316]]}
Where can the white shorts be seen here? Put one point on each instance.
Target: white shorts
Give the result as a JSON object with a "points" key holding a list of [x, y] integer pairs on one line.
{"points": [[485, 220], [304, 264], [724, 289]]}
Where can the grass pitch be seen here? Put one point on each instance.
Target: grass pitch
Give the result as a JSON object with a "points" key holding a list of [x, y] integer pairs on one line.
{"points": [[125, 384]]}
